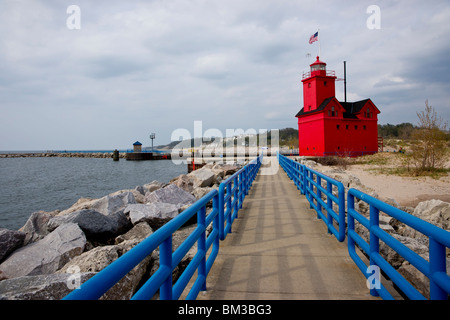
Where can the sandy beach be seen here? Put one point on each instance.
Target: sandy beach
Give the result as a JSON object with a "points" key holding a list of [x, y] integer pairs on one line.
{"points": [[406, 190]]}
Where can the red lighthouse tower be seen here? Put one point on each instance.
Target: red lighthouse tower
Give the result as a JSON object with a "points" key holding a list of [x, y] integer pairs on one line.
{"points": [[328, 127]]}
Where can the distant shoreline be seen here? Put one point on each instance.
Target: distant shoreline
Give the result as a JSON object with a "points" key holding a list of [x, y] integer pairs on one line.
{"points": [[56, 151], [63, 154], [66, 153]]}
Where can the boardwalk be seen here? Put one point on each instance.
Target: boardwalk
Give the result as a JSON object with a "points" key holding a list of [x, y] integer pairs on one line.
{"points": [[279, 250]]}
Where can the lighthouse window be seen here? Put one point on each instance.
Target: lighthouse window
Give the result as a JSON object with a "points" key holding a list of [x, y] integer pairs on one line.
{"points": [[364, 127], [356, 127], [325, 83], [337, 126], [332, 111], [309, 85]]}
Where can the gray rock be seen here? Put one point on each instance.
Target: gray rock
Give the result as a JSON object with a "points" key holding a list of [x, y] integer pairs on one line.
{"points": [[436, 212], [93, 260], [36, 227], [10, 240], [99, 258], [170, 194], [184, 182], [95, 225], [152, 186], [47, 255], [42, 287], [202, 177], [140, 189], [139, 232], [201, 192], [227, 169], [113, 202], [156, 214]]}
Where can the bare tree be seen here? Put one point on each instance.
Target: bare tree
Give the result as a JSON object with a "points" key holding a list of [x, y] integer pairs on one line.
{"points": [[429, 149]]}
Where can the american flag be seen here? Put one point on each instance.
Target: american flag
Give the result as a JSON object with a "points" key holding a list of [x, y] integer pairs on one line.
{"points": [[314, 38]]}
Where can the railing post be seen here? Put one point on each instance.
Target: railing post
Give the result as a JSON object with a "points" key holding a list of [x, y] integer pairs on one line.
{"points": [[236, 196], [165, 258], [246, 180], [241, 188], [437, 264], [341, 204], [374, 240], [222, 211], [230, 214], [319, 196], [303, 178], [201, 221], [329, 205], [350, 220], [310, 189]]}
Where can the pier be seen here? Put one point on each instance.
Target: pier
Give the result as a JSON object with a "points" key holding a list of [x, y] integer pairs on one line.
{"points": [[279, 250], [139, 156]]}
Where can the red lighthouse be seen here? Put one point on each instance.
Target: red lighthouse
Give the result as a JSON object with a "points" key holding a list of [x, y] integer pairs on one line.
{"points": [[328, 127]]}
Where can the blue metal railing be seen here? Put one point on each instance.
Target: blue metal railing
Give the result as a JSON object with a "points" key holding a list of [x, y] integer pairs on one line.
{"points": [[434, 269], [310, 183], [232, 193], [203, 260], [439, 239]]}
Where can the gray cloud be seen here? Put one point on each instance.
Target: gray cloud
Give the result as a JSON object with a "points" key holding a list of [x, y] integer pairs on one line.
{"points": [[137, 67]]}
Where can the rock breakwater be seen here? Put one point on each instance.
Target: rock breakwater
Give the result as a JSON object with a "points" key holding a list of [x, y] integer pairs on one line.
{"points": [[62, 155], [55, 252]]}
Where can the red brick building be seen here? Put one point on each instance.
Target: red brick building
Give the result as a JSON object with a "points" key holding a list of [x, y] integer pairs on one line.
{"points": [[328, 127]]}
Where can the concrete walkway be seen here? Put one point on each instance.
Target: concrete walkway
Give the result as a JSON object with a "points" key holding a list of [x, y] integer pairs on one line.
{"points": [[279, 250]]}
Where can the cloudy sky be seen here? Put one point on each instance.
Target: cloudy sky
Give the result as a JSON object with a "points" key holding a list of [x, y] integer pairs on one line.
{"points": [[135, 67]]}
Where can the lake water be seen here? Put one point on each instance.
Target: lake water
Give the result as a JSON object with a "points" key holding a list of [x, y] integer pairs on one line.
{"points": [[32, 184]]}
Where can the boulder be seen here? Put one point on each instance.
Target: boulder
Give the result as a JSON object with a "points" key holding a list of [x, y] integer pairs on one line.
{"points": [[170, 194], [93, 260], [156, 214], [10, 240], [152, 186], [139, 232], [36, 227], [114, 202], [201, 192], [436, 212], [96, 226], [42, 287], [99, 258], [396, 260], [420, 281], [227, 169], [203, 177], [184, 182], [47, 255], [139, 197], [82, 203]]}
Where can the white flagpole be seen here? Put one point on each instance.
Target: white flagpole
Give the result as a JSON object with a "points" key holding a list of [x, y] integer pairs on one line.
{"points": [[318, 33]]}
